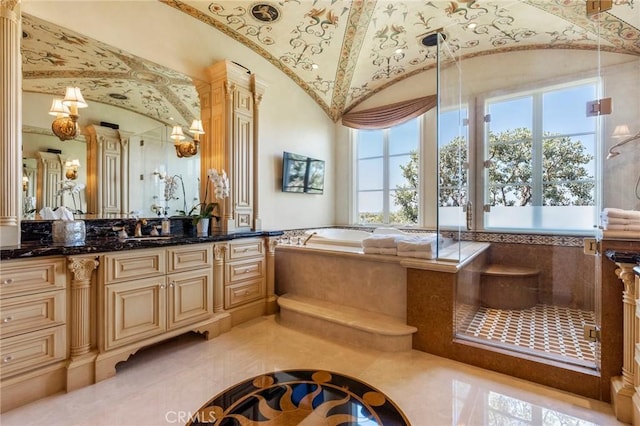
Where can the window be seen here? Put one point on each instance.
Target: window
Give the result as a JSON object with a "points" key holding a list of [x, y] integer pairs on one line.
{"points": [[452, 165], [540, 150], [387, 174]]}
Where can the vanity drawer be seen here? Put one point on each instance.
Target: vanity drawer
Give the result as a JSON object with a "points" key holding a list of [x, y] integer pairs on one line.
{"points": [[244, 249], [29, 313], [134, 264], [31, 350], [244, 270], [190, 257], [238, 294], [31, 276]]}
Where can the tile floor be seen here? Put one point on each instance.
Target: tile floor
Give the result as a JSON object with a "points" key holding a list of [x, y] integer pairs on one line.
{"points": [[543, 329], [162, 385]]}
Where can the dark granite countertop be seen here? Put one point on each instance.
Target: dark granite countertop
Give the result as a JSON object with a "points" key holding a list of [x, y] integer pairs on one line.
{"points": [[623, 256], [28, 249]]}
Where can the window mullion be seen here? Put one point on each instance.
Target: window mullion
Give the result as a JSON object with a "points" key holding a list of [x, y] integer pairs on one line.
{"points": [[536, 146], [385, 177]]}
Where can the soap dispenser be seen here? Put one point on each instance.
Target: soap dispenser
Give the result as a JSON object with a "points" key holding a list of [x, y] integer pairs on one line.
{"points": [[166, 226]]}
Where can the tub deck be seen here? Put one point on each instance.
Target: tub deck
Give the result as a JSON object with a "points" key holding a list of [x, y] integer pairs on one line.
{"points": [[452, 257]]}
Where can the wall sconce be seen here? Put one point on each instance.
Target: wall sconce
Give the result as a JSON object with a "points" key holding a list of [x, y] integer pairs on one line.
{"points": [[187, 149], [25, 183], [65, 126], [72, 169], [621, 131]]}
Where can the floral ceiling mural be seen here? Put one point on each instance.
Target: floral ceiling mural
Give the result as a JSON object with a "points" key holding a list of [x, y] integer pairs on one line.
{"points": [[339, 52]]}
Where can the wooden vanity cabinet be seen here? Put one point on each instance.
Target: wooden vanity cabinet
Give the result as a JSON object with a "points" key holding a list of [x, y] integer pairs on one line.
{"points": [[245, 279], [33, 329], [150, 295]]}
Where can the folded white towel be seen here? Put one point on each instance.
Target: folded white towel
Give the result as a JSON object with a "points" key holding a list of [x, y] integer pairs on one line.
{"points": [[629, 235], [421, 246], [380, 241], [619, 221], [634, 228], [624, 214], [380, 250], [417, 254]]}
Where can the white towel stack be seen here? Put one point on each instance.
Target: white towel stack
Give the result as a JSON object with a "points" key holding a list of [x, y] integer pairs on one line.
{"points": [[380, 244], [419, 246], [620, 223]]}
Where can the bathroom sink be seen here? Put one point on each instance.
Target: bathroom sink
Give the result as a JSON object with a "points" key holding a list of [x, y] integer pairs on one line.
{"points": [[149, 238]]}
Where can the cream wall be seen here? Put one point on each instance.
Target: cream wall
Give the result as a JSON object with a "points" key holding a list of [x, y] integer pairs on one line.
{"points": [[621, 81]]}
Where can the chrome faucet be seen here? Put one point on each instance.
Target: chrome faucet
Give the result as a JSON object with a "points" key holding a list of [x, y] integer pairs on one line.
{"points": [[139, 224], [308, 238]]}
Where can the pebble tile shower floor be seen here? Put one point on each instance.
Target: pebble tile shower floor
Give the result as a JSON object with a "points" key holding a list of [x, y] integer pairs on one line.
{"points": [[554, 331]]}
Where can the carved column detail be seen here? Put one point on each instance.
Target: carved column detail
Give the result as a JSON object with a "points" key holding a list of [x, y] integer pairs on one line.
{"points": [[258, 89], [80, 306], [10, 122], [272, 307], [626, 275], [219, 251]]}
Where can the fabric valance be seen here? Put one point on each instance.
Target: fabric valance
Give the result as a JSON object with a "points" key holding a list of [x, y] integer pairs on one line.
{"points": [[389, 115]]}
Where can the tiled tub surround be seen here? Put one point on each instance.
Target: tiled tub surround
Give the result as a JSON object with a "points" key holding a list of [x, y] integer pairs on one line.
{"points": [[350, 297]]}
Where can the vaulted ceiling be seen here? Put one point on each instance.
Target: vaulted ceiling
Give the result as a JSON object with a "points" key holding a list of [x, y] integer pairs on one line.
{"points": [[339, 52]]}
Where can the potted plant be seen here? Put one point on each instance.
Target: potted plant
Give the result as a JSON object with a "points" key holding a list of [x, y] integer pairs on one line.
{"points": [[206, 210]]}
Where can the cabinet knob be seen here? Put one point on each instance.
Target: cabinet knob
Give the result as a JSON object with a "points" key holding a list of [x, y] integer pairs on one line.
{"points": [[7, 281], [7, 359], [246, 292], [7, 319], [162, 286], [172, 284], [246, 271]]}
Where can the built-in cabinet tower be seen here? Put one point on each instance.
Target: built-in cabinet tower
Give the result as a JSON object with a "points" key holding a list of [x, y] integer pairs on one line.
{"points": [[107, 171], [229, 105]]}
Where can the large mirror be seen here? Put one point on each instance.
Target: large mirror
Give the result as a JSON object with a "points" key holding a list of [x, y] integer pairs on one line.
{"points": [[138, 101]]}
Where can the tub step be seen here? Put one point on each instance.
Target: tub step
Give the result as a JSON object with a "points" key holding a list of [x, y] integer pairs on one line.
{"points": [[345, 324]]}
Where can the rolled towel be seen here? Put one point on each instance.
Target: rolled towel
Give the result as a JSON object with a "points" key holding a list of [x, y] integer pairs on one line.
{"points": [[634, 228], [392, 251], [417, 254], [380, 241], [619, 213], [419, 246]]}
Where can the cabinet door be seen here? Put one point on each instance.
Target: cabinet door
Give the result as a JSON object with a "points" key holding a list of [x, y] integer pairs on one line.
{"points": [[190, 297], [184, 258], [244, 292], [30, 276], [33, 312], [245, 248], [28, 351], [135, 310], [128, 265]]}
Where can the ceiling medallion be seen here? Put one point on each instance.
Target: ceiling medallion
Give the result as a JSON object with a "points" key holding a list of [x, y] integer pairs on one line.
{"points": [[149, 77], [118, 96], [265, 12]]}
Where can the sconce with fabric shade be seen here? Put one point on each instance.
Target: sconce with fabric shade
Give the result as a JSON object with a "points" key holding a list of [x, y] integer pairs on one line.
{"points": [[189, 148], [621, 131], [65, 126], [72, 169]]}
